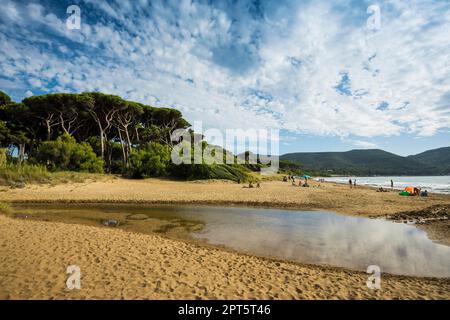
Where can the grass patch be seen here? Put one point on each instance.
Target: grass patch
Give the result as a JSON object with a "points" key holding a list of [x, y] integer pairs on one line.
{"points": [[228, 172], [70, 176], [5, 208], [18, 176], [269, 177]]}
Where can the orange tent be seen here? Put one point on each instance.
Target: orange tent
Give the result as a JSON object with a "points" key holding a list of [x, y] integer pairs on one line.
{"points": [[409, 189]]}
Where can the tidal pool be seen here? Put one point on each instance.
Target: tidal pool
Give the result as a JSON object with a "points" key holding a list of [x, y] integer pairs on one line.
{"points": [[304, 236]]}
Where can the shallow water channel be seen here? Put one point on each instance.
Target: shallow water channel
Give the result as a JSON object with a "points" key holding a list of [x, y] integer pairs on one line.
{"points": [[304, 236]]}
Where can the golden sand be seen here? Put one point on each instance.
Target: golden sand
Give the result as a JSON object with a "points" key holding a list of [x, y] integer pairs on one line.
{"points": [[116, 264], [326, 196]]}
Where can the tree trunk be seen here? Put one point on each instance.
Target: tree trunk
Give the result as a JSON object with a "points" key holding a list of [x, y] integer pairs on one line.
{"points": [[137, 134], [125, 160], [102, 140], [21, 152], [128, 146], [109, 163], [49, 129]]}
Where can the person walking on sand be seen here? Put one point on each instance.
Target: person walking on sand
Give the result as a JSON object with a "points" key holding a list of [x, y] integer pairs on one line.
{"points": [[350, 183], [392, 184], [354, 183]]}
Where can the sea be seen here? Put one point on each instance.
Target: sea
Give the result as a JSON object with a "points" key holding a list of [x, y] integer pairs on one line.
{"points": [[436, 184]]}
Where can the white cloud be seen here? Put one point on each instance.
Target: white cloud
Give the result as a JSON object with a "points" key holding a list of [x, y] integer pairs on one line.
{"points": [[363, 144], [231, 70]]}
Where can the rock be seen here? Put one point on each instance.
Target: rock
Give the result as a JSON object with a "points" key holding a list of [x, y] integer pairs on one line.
{"points": [[110, 223], [18, 185], [21, 216]]}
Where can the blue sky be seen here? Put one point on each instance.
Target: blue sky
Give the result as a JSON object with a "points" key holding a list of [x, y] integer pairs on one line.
{"points": [[315, 70]]}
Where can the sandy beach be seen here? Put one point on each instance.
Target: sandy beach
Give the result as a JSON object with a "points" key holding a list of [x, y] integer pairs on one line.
{"points": [[118, 264], [361, 201]]}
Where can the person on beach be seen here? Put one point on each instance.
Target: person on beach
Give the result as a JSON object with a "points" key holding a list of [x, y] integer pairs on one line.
{"points": [[354, 183], [350, 183], [392, 184]]}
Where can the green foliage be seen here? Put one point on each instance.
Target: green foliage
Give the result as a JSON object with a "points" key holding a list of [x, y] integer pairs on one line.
{"points": [[193, 171], [439, 159], [229, 172], [66, 154], [93, 132], [290, 167], [359, 162], [151, 160], [17, 126], [214, 171], [4, 98], [4, 134]]}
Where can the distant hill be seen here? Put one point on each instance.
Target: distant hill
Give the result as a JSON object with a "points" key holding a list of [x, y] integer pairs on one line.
{"points": [[367, 162], [437, 158]]}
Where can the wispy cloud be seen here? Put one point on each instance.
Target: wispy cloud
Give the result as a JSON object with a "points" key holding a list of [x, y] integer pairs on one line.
{"points": [[310, 67], [363, 144]]}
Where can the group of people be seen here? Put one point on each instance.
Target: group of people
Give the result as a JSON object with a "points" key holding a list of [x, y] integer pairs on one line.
{"points": [[417, 191], [352, 184], [250, 185], [294, 184], [381, 189]]}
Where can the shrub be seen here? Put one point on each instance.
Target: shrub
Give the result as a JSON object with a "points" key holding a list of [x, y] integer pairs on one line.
{"points": [[213, 171], [151, 160], [65, 153], [17, 176], [4, 98]]}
